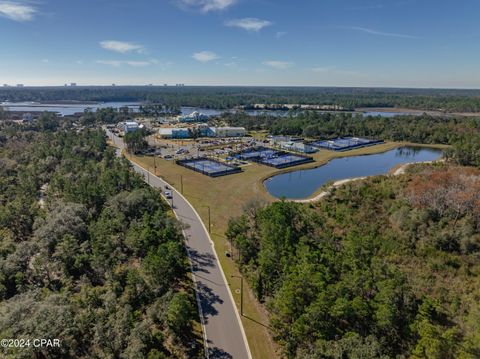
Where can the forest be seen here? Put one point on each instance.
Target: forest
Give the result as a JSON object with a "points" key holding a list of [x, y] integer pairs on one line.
{"points": [[89, 254], [448, 100], [340, 282], [420, 129]]}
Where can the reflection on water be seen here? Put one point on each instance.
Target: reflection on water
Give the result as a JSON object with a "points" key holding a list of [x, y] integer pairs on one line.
{"points": [[303, 183]]}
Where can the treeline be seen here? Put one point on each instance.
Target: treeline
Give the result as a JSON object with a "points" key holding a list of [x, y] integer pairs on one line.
{"points": [[229, 97], [420, 129], [383, 268], [89, 254]]}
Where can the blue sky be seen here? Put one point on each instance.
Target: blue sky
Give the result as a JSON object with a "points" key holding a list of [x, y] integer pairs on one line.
{"points": [[404, 43]]}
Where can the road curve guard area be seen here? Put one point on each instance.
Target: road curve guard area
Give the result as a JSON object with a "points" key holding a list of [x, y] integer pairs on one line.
{"points": [[345, 143], [273, 158], [209, 167]]}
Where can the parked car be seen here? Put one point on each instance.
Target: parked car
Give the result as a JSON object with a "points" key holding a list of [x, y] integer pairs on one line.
{"points": [[168, 194]]}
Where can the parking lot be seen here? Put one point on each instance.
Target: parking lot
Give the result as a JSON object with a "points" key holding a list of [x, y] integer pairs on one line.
{"points": [[218, 148]]}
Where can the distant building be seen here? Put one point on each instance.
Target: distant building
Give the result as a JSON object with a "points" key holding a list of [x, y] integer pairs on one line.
{"points": [[130, 126], [73, 84], [175, 132], [228, 131], [5, 85], [165, 132], [27, 117], [201, 130], [193, 117], [19, 85], [276, 140], [297, 147]]}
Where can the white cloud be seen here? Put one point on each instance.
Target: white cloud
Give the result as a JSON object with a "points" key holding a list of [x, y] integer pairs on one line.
{"points": [[323, 69], [207, 5], [113, 63], [121, 46], [278, 65], [380, 33], [118, 63], [205, 56], [17, 11], [249, 23], [280, 34], [138, 63]]}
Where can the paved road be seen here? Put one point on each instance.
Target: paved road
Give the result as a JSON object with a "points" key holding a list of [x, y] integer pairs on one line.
{"points": [[223, 331]]}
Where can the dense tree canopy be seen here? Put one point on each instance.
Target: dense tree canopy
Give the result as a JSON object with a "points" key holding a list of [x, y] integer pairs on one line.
{"points": [[88, 253], [135, 141], [383, 268], [419, 129], [171, 98]]}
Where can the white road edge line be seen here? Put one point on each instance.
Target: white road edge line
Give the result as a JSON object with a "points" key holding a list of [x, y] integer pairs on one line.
{"points": [[216, 256], [197, 297]]}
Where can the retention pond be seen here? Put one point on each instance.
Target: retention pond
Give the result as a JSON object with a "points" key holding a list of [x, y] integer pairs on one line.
{"points": [[303, 183]]}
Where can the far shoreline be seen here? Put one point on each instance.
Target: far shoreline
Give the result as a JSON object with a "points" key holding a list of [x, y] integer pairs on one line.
{"points": [[412, 111]]}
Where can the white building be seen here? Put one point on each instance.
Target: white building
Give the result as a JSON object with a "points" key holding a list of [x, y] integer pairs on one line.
{"points": [[228, 131], [297, 147], [201, 130], [130, 126], [195, 116], [165, 132], [27, 117]]}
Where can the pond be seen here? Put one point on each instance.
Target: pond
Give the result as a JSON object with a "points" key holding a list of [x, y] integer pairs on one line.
{"points": [[303, 183]]}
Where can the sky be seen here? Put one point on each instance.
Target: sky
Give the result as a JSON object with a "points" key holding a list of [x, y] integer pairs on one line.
{"points": [[383, 43]]}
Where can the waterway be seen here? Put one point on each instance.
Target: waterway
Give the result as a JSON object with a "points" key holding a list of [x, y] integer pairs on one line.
{"points": [[65, 109], [303, 183]]}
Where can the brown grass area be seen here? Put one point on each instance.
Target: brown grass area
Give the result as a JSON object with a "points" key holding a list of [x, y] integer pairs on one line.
{"points": [[226, 196]]}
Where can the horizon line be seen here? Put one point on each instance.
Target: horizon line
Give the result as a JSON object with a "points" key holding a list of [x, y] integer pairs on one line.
{"points": [[24, 86]]}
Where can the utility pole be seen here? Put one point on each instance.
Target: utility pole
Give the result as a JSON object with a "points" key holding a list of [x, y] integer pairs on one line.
{"points": [[241, 292], [209, 221], [155, 164]]}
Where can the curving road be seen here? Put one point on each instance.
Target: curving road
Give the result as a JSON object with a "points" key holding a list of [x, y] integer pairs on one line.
{"points": [[223, 331]]}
